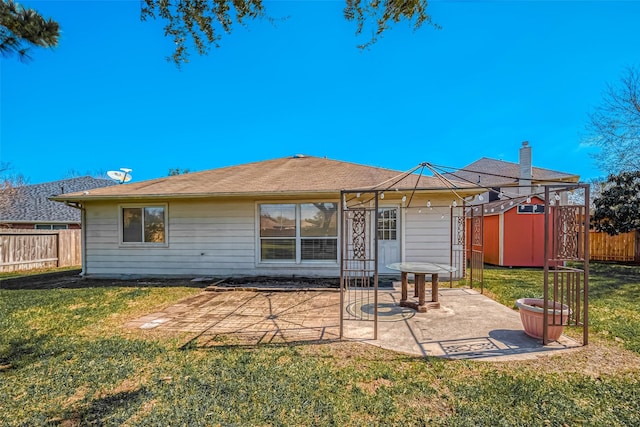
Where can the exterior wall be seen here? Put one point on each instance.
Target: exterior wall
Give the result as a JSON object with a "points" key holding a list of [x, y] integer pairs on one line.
{"points": [[523, 239], [220, 239], [427, 235], [204, 238], [492, 243]]}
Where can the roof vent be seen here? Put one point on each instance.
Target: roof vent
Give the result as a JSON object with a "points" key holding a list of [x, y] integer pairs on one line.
{"points": [[298, 156]]}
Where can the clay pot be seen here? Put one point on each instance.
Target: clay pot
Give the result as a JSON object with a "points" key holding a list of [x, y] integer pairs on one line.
{"points": [[531, 312]]}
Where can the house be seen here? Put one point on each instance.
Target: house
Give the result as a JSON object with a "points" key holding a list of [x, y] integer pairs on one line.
{"points": [[29, 207], [507, 179], [273, 218], [513, 222]]}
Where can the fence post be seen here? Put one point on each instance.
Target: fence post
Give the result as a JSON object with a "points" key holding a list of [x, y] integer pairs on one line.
{"points": [[636, 253], [58, 252]]}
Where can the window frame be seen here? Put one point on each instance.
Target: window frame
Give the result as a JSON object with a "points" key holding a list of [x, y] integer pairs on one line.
{"points": [[51, 226], [122, 207], [298, 238]]}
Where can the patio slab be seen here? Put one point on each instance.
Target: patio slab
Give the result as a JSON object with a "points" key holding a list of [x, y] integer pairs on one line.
{"points": [[468, 325]]}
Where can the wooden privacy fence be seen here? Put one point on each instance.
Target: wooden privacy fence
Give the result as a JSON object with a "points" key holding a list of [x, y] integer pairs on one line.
{"points": [[31, 249], [623, 247]]}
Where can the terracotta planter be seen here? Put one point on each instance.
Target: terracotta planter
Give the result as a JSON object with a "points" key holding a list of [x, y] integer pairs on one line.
{"points": [[531, 313]]}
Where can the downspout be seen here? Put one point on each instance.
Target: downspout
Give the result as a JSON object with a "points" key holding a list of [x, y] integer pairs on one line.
{"points": [[83, 234]]}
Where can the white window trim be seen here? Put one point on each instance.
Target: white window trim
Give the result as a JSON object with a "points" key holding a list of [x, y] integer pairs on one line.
{"points": [[298, 258], [122, 244]]}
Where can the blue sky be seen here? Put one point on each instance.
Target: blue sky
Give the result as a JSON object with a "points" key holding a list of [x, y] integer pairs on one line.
{"points": [[496, 74]]}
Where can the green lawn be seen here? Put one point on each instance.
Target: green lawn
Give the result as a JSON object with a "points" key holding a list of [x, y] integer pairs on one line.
{"points": [[614, 297], [66, 360]]}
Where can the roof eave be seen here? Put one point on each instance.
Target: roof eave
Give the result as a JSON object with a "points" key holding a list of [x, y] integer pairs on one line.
{"points": [[327, 192], [88, 198]]}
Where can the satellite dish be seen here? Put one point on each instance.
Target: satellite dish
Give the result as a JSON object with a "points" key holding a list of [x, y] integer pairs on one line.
{"points": [[121, 176]]}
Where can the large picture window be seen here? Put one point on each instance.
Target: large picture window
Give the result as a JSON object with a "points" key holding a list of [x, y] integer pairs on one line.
{"points": [[299, 232], [143, 224]]}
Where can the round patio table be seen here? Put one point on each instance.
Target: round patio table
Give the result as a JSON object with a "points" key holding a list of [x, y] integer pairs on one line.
{"points": [[420, 270]]}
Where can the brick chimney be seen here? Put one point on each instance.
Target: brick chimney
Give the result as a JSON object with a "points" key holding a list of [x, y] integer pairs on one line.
{"points": [[526, 172]]}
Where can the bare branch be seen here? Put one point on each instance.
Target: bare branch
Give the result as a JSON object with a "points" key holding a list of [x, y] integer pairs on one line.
{"points": [[614, 126]]}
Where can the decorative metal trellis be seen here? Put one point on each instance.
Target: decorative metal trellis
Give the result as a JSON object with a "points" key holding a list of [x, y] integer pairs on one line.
{"points": [[457, 250], [566, 259], [566, 251], [359, 259], [359, 252], [476, 246]]}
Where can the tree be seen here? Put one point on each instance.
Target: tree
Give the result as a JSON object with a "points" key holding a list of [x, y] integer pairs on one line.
{"points": [[75, 173], [202, 22], [618, 205], [11, 188], [614, 126], [21, 29], [177, 171]]}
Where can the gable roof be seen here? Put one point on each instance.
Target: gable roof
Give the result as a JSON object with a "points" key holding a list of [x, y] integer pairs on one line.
{"points": [[30, 203], [494, 173], [289, 175]]}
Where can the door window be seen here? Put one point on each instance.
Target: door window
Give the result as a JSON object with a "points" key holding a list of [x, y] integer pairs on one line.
{"points": [[387, 224]]}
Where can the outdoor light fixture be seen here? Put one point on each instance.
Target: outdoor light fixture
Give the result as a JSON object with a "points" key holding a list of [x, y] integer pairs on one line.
{"points": [[381, 195], [455, 203], [480, 197], [528, 199], [404, 198], [428, 203]]}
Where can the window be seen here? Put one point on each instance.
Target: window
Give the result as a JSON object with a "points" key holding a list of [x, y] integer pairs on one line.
{"points": [[143, 224], [299, 232], [387, 223], [530, 209], [51, 227]]}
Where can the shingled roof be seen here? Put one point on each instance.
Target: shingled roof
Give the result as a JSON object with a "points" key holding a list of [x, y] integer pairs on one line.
{"points": [[496, 173], [30, 203], [289, 175]]}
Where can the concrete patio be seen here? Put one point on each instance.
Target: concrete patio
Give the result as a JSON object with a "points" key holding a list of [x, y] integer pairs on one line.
{"points": [[468, 325]]}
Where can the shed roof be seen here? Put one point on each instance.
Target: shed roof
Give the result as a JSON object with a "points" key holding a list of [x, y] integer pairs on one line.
{"points": [[494, 173], [30, 203], [289, 175]]}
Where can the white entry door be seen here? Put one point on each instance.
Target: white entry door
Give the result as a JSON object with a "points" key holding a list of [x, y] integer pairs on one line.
{"points": [[388, 229]]}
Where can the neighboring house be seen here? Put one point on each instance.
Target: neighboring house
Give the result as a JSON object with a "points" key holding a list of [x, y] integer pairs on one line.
{"points": [[276, 218], [510, 179], [513, 224], [29, 207]]}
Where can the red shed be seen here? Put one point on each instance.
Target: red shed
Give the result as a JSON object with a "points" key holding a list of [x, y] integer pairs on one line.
{"points": [[514, 233]]}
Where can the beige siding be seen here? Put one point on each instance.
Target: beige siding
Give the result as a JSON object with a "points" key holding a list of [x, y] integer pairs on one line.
{"points": [[205, 238], [427, 233]]}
